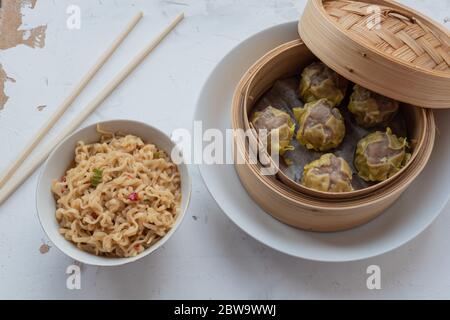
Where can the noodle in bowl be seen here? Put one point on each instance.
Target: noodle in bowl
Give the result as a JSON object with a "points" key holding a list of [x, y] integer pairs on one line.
{"points": [[111, 196]]}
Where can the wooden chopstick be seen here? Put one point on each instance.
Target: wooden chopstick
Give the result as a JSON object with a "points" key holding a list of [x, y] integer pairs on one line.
{"points": [[9, 172], [19, 178]]}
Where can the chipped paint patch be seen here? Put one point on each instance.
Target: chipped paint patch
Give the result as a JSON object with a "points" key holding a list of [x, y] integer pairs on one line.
{"points": [[3, 78], [44, 248], [11, 34]]}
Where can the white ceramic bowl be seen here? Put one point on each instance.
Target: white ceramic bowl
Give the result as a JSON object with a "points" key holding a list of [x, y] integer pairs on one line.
{"points": [[410, 215], [61, 158]]}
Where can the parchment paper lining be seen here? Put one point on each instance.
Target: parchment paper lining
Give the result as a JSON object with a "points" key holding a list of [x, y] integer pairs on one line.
{"points": [[284, 96]]}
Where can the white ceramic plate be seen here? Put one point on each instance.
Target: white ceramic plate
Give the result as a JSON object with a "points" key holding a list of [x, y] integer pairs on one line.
{"points": [[410, 215], [61, 158]]}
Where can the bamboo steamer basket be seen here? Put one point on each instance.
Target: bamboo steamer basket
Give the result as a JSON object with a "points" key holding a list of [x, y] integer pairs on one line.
{"points": [[306, 209], [287, 60], [313, 213]]}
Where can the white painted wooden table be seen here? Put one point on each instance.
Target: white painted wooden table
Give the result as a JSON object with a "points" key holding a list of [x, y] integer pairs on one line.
{"points": [[209, 257]]}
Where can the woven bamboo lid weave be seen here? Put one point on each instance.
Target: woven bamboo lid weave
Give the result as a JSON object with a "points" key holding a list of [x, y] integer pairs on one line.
{"points": [[383, 46]]}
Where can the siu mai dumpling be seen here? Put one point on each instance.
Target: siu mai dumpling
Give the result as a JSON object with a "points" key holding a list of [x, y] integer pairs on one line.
{"points": [[318, 82], [328, 174], [322, 126], [380, 155], [272, 119], [371, 109]]}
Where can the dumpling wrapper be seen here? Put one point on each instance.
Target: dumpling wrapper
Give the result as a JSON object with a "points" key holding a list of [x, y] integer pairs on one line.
{"points": [[328, 174]]}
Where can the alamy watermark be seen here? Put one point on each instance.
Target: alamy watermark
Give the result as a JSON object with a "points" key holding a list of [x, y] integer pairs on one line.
{"points": [[73, 21], [374, 20], [73, 281], [374, 280], [209, 147]]}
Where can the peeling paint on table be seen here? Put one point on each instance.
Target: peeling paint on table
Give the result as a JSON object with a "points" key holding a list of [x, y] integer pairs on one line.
{"points": [[13, 33]]}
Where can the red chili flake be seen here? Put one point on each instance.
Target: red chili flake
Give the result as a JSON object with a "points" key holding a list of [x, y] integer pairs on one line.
{"points": [[137, 247], [94, 215], [133, 196], [63, 179]]}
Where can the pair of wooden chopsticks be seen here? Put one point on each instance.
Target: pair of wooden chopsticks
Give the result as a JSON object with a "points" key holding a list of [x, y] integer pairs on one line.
{"points": [[17, 179]]}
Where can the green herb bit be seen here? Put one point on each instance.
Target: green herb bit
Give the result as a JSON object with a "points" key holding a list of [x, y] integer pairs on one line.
{"points": [[96, 178]]}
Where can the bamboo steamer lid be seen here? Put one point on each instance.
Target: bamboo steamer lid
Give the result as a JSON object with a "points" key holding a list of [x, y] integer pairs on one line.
{"points": [[383, 46]]}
